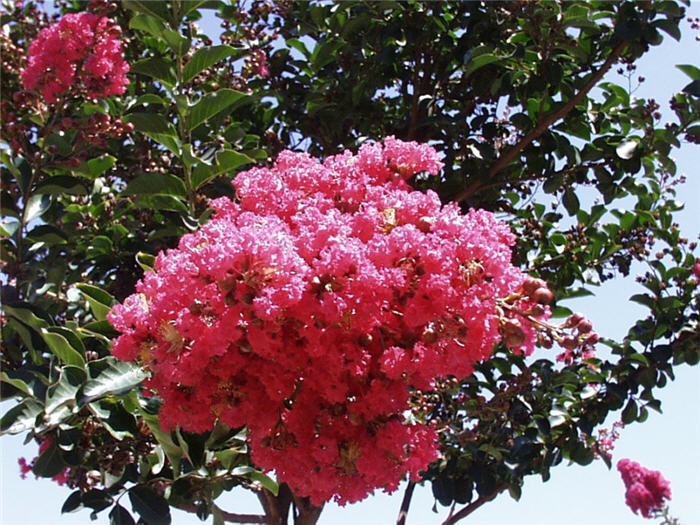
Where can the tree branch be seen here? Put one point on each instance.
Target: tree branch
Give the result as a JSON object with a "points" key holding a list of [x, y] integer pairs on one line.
{"points": [[468, 192], [229, 516], [403, 511], [466, 511], [549, 119], [306, 512], [243, 518]]}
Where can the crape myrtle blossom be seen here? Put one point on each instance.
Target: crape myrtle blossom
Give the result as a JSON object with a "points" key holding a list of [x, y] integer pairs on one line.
{"points": [[81, 49], [647, 490], [308, 308]]}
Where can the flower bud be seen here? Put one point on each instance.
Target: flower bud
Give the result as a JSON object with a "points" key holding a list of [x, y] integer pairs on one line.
{"points": [[543, 296]]}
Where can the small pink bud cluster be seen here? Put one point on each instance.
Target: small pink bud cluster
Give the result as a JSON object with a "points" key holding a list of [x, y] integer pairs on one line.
{"points": [[538, 291], [580, 342], [256, 64], [309, 308], [696, 269], [606, 439], [647, 490], [25, 468], [81, 50]]}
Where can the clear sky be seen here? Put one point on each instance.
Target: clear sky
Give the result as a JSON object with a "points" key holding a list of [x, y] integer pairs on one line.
{"points": [[574, 495]]}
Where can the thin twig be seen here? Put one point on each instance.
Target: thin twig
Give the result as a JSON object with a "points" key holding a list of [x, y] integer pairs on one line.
{"points": [[466, 511], [403, 511], [229, 516]]}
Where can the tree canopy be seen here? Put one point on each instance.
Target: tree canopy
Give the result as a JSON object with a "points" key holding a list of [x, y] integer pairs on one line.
{"points": [[98, 178]]}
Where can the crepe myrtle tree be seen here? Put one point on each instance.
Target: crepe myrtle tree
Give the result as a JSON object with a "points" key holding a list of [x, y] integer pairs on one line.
{"points": [[254, 244]]}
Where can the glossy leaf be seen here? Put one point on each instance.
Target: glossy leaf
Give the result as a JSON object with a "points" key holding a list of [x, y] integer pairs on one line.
{"points": [[20, 417], [120, 516], [152, 184], [100, 301], [110, 376], [62, 348], [212, 104], [205, 58], [152, 508]]}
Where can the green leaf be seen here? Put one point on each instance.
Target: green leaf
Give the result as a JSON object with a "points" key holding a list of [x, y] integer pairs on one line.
{"points": [[692, 71], [629, 413], [150, 123], [212, 104], [226, 162], [21, 417], [120, 516], [190, 5], [155, 67], [178, 43], [61, 185], [570, 201], [22, 172], [17, 383], [36, 206], [8, 229], [644, 299], [163, 202], [73, 502], [152, 184], [102, 328], [97, 166], [64, 391], [158, 9], [148, 24], [61, 348], [171, 449], [693, 88], [205, 58], [156, 127], [299, 46], [113, 378], [152, 508], [479, 62], [8, 206], [97, 499], [147, 100], [48, 234], [515, 492], [50, 463], [670, 27], [228, 457], [145, 261], [582, 454], [100, 301], [25, 313], [253, 474]]}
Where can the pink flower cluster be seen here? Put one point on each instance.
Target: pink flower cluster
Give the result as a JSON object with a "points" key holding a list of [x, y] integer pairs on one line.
{"points": [[307, 310], [647, 489], [81, 48], [25, 468]]}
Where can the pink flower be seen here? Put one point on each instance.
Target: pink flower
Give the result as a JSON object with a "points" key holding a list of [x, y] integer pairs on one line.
{"points": [[81, 49], [696, 269], [309, 308], [24, 467], [647, 489]]}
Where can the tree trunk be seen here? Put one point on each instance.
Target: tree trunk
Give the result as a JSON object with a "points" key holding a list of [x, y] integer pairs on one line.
{"points": [[306, 513], [276, 507]]}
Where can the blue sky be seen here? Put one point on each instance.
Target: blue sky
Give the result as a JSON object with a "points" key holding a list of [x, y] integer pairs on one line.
{"points": [[574, 495]]}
